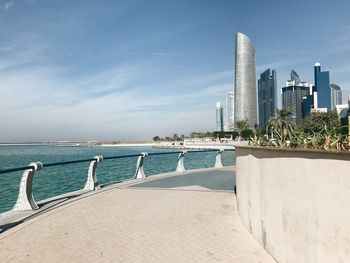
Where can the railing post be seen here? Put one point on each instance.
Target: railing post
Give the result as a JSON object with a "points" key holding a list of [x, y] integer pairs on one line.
{"points": [[139, 166], [25, 200], [91, 182], [180, 162], [218, 163]]}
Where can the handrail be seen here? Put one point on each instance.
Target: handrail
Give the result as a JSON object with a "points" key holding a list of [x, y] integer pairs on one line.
{"points": [[162, 153], [17, 169], [67, 162], [25, 200], [120, 156]]}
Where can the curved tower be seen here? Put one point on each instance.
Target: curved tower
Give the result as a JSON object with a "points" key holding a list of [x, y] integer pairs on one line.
{"points": [[245, 107]]}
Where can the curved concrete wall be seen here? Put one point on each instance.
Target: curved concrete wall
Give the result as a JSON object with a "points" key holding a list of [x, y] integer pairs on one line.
{"points": [[296, 203]]}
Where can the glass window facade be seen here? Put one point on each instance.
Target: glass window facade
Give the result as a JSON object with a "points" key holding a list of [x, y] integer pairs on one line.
{"points": [[230, 113], [219, 117], [336, 96], [267, 96], [322, 87], [292, 98]]}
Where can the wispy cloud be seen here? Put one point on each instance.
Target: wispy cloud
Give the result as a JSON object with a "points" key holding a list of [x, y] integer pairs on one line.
{"points": [[340, 43], [146, 54], [8, 4], [281, 63], [54, 104]]}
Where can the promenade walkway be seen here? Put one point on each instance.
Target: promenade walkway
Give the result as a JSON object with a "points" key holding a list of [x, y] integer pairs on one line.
{"points": [[187, 217]]}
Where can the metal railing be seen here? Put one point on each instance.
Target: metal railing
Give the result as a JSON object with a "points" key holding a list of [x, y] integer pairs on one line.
{"points": [[25, 200]]}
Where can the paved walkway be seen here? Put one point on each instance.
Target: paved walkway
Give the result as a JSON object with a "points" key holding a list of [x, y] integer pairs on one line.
{"points": [[187, 218]]}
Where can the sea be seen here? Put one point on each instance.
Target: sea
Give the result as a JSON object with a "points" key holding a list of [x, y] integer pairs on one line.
{"points": [[53, 181]]}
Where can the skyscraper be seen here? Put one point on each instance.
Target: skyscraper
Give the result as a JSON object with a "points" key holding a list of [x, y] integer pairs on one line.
{"points": [[295, 77], [229, 104], [322, 88], [292, 96], [245, 81], [219, 117], [336, 96], [267, 96]]}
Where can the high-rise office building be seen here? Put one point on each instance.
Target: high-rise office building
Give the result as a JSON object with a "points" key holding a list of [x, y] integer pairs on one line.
{"points": [[295, 77], [309, 102], [322, 88], [292, 97], [219, 117], [336, 96], [267, 96], [245, 81], [229, 104], [320, 97]]}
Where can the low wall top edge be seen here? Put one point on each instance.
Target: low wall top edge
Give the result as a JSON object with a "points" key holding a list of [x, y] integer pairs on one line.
{"points": [[295, 151]]}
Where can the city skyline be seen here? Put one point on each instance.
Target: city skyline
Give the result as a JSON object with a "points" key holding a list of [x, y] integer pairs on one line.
{"points": [[95, 71]]}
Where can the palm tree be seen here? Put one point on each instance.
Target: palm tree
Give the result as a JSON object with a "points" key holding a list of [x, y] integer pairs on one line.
{"points": [[282, 122], [175, 137], [240, 126]]}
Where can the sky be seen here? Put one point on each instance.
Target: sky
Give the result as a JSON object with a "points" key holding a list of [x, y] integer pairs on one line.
{"points": [[131, 70]]}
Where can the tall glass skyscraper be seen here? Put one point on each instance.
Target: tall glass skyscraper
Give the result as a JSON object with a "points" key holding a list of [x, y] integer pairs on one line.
{"points": [[336, 96], [267, 96], [219, 117], [322, 88], [245, 81], [293, 95], [229, 104]]}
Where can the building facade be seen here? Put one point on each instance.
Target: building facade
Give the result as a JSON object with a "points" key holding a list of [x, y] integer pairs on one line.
{"points": [[230, 110], [245, 103], [219, 117], [293, 95], [336, 96], [267, 96], [295, 77], [322, 88]]}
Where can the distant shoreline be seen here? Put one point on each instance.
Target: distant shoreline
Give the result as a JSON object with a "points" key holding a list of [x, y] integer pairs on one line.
{"points": [[23, 144], [126, 145], [82, 144]]}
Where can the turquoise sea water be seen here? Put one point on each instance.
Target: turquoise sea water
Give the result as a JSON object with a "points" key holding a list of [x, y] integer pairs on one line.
{"points": [[52, 181]]}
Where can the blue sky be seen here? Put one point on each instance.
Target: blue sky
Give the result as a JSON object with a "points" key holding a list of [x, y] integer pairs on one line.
{"points": [[130, 70]]}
